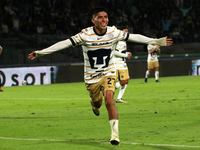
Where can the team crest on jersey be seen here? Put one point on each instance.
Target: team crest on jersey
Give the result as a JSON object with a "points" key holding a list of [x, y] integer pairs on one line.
{"points": [[110, 36]]}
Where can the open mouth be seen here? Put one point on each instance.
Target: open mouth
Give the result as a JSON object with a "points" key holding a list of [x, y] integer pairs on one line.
{"points": [[104, 25]]}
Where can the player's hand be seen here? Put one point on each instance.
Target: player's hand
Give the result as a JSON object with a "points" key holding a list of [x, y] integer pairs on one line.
{"points": [[169, 41], [1, 50], [31, 56], [129, 55]]}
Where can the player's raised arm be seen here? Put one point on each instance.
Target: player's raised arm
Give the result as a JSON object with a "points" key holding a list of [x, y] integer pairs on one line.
{"points": [[56, 47], [146, 40]]}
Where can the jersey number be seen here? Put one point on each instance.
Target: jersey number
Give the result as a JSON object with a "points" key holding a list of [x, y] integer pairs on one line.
{"points": [[110, 80]]}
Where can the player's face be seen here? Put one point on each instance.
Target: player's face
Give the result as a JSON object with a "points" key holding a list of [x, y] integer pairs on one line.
{"points": [[100, 22]]}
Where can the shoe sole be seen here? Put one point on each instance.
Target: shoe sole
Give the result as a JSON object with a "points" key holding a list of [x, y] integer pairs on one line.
{"points": [[121, 101], [114, 142], [95, 112]]}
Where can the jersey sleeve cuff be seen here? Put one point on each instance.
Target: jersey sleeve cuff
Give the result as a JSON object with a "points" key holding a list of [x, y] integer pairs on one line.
{"points": [[73, 43]]}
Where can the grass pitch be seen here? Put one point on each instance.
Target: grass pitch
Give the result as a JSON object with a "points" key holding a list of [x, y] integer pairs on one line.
{"points": [[158, 116]]}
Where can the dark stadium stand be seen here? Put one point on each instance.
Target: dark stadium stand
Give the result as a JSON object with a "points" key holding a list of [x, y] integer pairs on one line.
{"points": [[34, 25]]}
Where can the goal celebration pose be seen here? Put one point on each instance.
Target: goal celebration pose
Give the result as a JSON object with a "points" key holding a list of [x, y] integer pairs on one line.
{"points": [[98, 45]]}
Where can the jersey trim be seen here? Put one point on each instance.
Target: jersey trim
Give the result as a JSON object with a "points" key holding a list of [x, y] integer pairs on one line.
{"points": [[73, 43], [97, 33], [127, 37]]}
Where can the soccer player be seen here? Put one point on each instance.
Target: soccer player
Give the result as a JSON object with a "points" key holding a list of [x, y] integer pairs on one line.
{"points": [[1, 49], [98, 44], [122, 73], [152, 61]]}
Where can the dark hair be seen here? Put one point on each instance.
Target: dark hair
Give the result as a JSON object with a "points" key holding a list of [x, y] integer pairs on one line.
{"points": [[97, 10]]}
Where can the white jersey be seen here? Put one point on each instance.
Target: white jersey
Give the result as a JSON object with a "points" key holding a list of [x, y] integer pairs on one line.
{"points": [[153, 56], [120, 56], [98, 51]]}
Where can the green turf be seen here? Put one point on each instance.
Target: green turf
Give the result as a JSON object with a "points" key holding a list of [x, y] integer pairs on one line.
{"points": [[158, 116]]}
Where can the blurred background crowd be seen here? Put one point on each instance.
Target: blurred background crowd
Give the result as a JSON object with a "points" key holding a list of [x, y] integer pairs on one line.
{"points": [[26, 26], [179, 19]]}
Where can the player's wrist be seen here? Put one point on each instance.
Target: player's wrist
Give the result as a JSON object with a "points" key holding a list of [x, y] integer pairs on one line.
{"points": [[161, 41]]}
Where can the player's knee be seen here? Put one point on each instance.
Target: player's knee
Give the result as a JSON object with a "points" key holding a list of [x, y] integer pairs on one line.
{"points": [[109, 103], [123, 82], [127, 81], [97, 104]]}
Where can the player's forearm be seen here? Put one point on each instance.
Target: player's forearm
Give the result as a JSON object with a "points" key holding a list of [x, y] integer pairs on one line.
{"points": [[116, 53], [56, 47], [146, 40], [151, 51]]}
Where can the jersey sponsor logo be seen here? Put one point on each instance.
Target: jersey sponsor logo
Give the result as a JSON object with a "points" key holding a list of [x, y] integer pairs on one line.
{"points": [[99, 44], [98, 75]]}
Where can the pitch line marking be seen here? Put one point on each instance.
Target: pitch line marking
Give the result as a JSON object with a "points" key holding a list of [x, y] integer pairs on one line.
{"points": [[144, 144], [43, 98]]}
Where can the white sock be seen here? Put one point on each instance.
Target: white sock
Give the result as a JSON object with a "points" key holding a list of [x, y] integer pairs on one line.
{"points": [[147, 74], [117, 85], [114, 127], [121, 91], [156, 75]]}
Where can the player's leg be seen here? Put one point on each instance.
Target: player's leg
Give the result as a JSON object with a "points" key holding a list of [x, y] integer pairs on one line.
{"points": [[122, 91], [117, 85], [96, 93], [156, 71], [96, 106], [157, 75], [149, 66], [113, 116], [124, 79], [109, 89]]}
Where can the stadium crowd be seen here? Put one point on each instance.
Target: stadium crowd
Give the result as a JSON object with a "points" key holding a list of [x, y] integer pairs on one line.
{"points": [[179, 19]]}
